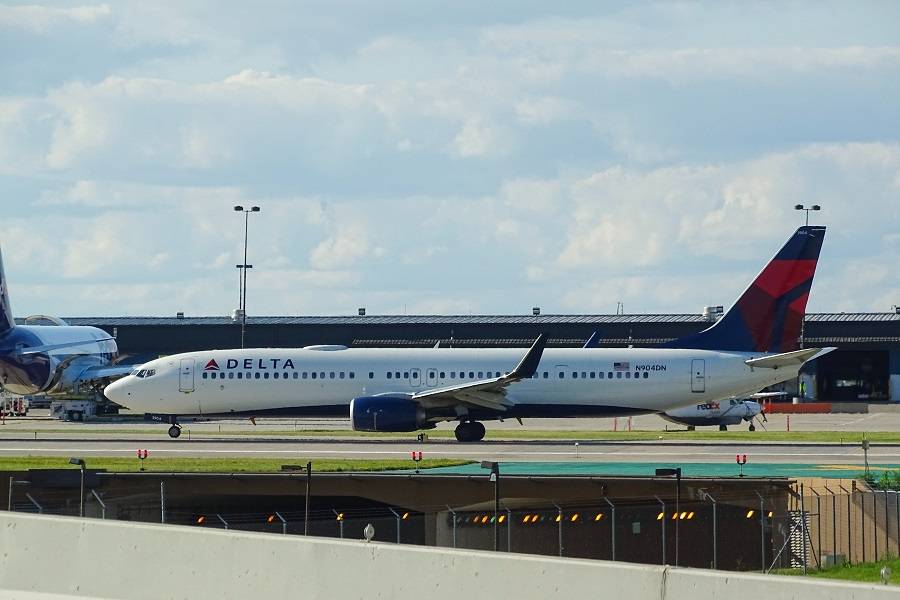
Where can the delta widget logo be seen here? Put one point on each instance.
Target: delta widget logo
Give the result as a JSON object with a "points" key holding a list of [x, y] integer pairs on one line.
{"points": [[212, 365]]}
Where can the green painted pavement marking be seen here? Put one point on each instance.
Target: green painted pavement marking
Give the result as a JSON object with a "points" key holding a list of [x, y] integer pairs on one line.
{"points": [[789, 470]]}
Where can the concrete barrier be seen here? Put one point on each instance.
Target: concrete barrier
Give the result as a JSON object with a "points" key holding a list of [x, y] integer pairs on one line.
{"points": [[66, 557], [851, 408]]}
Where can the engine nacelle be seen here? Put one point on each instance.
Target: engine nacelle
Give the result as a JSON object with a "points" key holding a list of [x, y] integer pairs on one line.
{"points": [[30, 374], [386, 413]]}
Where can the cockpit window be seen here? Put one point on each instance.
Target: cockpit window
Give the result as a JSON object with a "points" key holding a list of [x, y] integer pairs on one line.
{"points": [[144, 373]]}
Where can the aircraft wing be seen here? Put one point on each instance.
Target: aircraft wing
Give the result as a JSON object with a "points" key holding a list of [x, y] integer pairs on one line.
{"points": [[48, 348], [104, 373], [487, 393]]}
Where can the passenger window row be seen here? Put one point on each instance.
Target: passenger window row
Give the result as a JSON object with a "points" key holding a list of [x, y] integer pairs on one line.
{"points": [[443, 375], [594, 375], [472, 375], [279, 375]]}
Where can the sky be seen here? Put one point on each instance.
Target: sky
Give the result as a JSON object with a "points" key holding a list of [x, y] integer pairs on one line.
{"points": [[416, 157]]}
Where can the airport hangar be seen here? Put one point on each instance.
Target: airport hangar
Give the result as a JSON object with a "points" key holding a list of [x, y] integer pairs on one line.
{"points": [[866, 367]]}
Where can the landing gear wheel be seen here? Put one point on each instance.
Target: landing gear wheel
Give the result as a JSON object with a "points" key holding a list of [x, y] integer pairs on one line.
{"points": [[723, 428], [174, 431], [752, 427], [470, 431]]}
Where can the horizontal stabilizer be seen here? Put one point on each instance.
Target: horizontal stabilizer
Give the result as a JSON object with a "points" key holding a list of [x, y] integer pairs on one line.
{"points": [[788, 359]]}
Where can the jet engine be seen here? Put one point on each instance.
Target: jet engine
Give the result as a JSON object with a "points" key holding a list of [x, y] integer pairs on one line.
{"points": [[386, 413]]}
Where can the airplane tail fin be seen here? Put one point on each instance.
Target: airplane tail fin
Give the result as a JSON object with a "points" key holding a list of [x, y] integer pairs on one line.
{"points": [[769, 315], [6, 316]]}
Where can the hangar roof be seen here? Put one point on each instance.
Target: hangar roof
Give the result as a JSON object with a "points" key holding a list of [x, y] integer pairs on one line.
{"points": [[451, 319]]}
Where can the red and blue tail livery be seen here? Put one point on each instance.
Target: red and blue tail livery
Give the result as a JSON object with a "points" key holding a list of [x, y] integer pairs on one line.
{"points": [[768, 317]]}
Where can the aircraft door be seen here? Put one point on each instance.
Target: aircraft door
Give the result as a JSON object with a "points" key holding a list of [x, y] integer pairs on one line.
{"points": [[698, 375], [431, 377], [186, 375], [415, 377]]}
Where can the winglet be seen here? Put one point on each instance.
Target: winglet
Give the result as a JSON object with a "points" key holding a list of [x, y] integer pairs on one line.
{"points": [[527, 367], [593, 341]]}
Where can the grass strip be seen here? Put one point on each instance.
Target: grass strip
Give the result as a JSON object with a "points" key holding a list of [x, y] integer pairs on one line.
{"points": [[496, 434], [220, 465], [865, 572]]}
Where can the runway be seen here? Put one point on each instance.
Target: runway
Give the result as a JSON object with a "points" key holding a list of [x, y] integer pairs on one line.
{"points": [[620, 452], [39, 422], [287, 439]]}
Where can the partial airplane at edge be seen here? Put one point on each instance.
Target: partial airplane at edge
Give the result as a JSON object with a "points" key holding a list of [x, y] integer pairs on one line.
{"points": [[754, 345], [721, 413], [53, 359]]}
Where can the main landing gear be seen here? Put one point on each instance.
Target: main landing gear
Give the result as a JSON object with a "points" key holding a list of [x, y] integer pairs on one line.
{"points": [[723, 428], [470, 431]]}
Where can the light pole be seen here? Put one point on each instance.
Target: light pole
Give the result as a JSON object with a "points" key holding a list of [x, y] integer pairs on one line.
{"points": [[806, 210], [80, 463], [677, 473], [243, 269], [495, 477]]}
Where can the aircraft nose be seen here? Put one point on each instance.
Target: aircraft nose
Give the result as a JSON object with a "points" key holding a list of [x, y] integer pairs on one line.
{"points": [[118, 392]]}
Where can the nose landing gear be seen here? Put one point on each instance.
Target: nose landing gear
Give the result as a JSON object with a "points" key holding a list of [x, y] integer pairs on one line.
{"points": [[175, 429], [470, 431]]}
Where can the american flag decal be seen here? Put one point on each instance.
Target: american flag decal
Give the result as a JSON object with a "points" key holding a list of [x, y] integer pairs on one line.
{"points": [[622, 366]]}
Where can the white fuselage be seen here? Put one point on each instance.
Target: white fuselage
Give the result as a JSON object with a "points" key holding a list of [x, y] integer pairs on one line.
{"points": [[568, 382]]}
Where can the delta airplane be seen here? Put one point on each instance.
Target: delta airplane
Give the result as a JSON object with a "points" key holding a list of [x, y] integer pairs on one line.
{"points": [[53, 359], [753, 346]]}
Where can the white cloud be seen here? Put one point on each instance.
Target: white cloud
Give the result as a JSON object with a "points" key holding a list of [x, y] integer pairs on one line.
{"points": [[41, 19], [533, 195], [478, 138], [693, 64], [449, 160], [548, 109], [342, 249]]}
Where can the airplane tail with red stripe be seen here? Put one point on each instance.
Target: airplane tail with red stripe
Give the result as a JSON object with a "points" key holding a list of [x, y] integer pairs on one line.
{"points": [[769, 315]]}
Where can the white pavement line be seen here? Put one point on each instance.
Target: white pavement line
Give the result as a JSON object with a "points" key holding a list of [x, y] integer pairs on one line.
{"points": [[491, 451], [859, 420]]}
